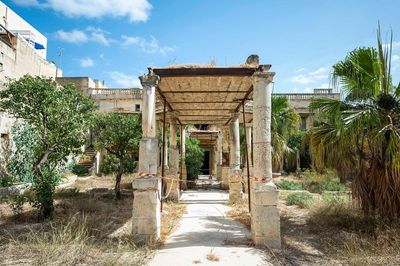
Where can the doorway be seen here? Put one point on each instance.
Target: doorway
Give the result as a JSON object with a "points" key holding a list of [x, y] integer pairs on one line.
{"points": [[205, 169]]}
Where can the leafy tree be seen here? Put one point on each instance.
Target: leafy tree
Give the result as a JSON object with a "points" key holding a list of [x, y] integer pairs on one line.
{"points": [[361, 132], [194, 157], [110, 164], [120, 135], [59, 117]]}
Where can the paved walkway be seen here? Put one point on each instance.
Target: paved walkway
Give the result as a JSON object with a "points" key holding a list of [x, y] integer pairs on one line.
{"points": [[206, 232]]}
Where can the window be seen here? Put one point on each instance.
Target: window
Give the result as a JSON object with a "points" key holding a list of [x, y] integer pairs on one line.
{"points": [[137, 107], [303, 123]]}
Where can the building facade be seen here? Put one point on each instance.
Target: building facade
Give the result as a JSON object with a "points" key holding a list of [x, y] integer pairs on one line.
{"points": [[23, 51]]}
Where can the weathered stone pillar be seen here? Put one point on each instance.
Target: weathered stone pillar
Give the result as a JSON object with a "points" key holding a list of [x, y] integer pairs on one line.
{"points": [[215, 160], [147, 186], [184, 170], [173, 172], [148, 150], [166, 152], [235, 175], [146, 220], [265, 221], [219, 153], [226, 163], [249, 156]]}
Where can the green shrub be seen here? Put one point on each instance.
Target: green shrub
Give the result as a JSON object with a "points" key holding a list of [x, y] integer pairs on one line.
{"points": [[319, 187], [43, 187], [289, 185], [17, 202], [194, 157], [325, 176], [5, 181], [333, 186], [301, 199], [334, 198], [80, 170], [110, 163]]}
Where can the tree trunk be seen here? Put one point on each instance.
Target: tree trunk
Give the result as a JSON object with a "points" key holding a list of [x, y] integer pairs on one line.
{"points": [[118, 179]]}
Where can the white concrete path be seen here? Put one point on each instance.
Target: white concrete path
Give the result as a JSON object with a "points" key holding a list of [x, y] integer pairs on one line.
{"points": [[205, 230]]}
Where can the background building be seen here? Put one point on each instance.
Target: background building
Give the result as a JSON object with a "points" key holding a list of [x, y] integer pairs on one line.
{"points": [[23, 51]]}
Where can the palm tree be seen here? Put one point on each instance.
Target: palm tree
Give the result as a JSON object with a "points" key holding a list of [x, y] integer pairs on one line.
{"points": [[360, 133], [283, 123]]}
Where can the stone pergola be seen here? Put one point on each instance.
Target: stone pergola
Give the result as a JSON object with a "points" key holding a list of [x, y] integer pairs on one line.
{"points": [[216, 96]]}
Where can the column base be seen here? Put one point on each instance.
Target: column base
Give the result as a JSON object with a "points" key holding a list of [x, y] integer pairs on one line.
{"points": [[225, 178], [184, 178], [146, 216], [172, 189], [265, 220], [219, 172], [235, 186]]}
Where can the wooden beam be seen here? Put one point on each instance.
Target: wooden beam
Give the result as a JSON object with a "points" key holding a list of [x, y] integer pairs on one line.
{"points": [[203, 91], [204, 71]]}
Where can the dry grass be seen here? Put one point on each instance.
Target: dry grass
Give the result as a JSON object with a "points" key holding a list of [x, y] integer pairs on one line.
{"points": [[172, 213], [80, 233], [332, 232], [351, 236], [96, 182], [87, 229], [240, 212], [212, 256]]}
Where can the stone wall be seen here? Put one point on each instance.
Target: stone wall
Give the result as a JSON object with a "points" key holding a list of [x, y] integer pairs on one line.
{"points": [[15, 63]]}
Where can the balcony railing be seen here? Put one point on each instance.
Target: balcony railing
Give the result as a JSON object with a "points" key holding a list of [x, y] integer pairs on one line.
{"points": [[137, 93], [306, 96]]}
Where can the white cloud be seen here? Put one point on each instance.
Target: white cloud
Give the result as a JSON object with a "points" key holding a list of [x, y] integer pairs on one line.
{"points": [[86, 62], [82, 36], [135, 10], [99, 35], [124, 80], [74, 36], [395, 58], [149, 46], [311, 77], [26, 2]]}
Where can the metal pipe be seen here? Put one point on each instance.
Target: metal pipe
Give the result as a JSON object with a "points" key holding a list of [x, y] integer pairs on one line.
{"points": [[247, 155]]}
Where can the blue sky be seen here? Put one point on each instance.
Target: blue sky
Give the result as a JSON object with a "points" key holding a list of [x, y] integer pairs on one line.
{"points": [[116, 40]]}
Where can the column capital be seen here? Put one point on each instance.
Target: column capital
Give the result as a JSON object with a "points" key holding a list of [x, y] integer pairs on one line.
{"points": [[149, 80], [268, 76]]}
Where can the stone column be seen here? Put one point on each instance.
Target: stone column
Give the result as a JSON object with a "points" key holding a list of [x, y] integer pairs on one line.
{"points": [[235, 174], [147, 186], [184, 170], [265, 221], [249, 156], [146, 220], [148, 149], [173, 172], [166, 152], [219, 154], [225, 165]]}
